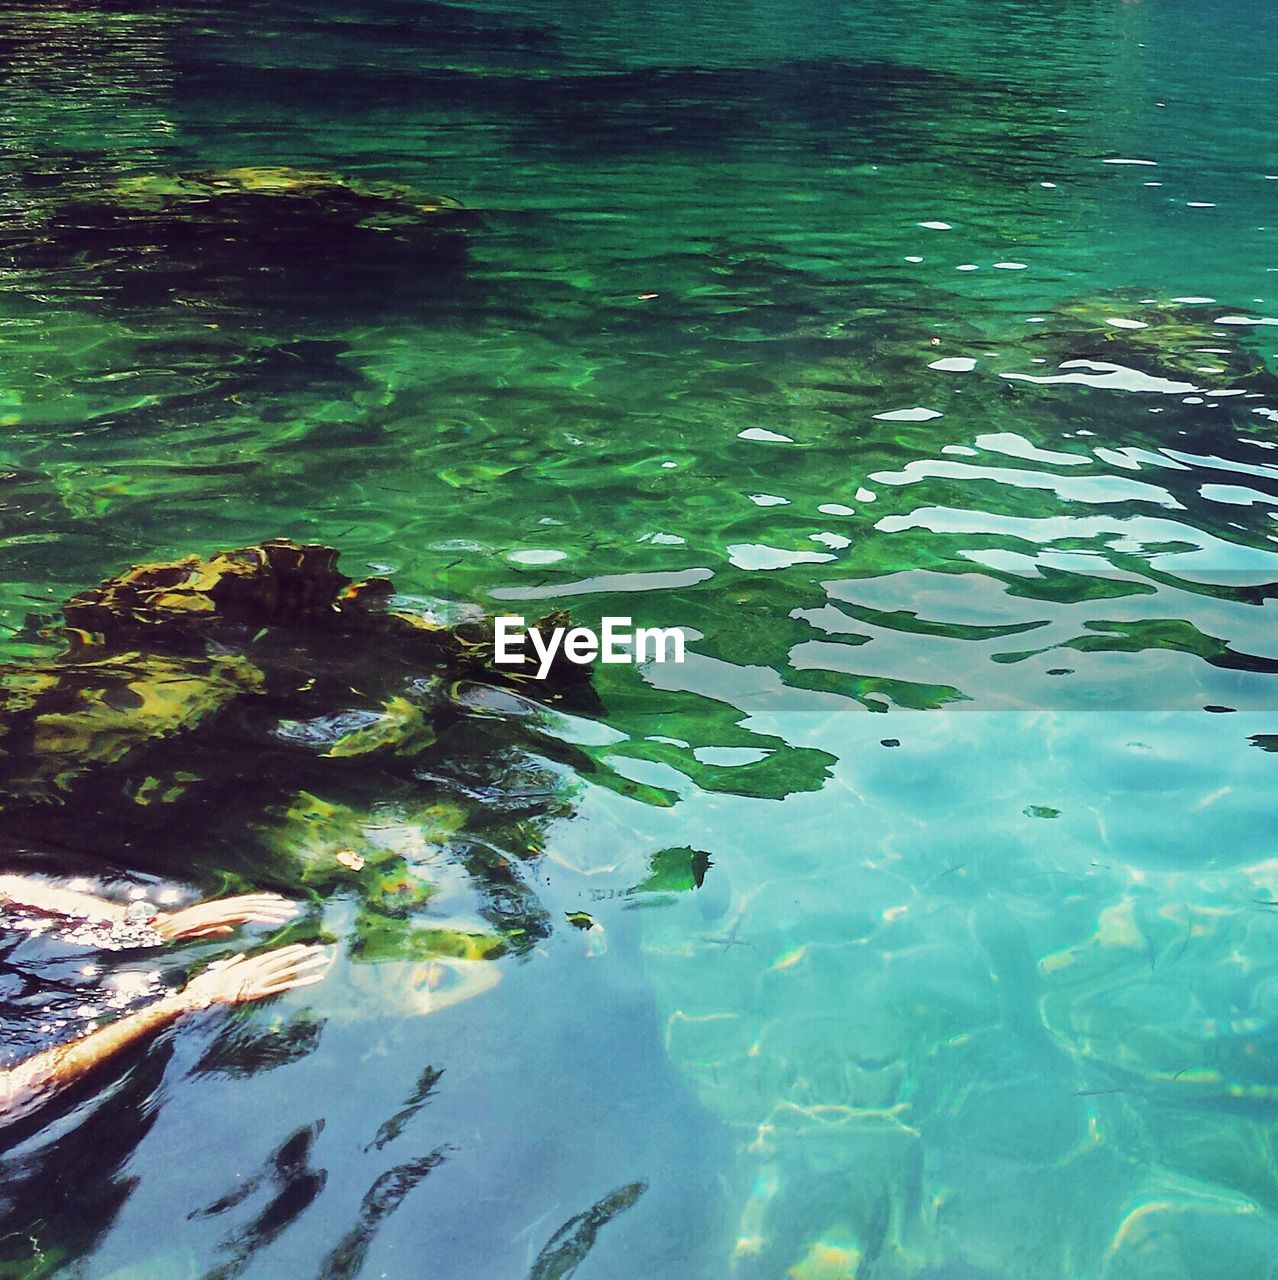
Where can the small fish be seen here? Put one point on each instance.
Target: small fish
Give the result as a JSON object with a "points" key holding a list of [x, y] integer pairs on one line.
{"points": [[568, 1247]]}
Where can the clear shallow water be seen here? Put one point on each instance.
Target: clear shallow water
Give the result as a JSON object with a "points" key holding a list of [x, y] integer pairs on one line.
{"points": [[993, 1000]]}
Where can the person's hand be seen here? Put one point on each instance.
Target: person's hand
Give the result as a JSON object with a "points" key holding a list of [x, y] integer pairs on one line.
{"points": [[222, 915], [245, 978]]}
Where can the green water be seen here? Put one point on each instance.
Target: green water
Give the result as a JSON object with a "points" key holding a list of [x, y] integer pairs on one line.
{"points": [[980, 980]]}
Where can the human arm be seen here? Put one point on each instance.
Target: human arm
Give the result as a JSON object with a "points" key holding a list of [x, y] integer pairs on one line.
{"points": [[221, 915], [32, 1083], [29, 892], [204, 919]]}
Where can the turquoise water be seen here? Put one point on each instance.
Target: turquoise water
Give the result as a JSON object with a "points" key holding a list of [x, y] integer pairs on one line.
{"points": [[919, 360]]}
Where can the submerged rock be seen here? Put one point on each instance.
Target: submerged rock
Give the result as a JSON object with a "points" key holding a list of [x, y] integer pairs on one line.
{"points": [[59, 720], [276, 581], [237, 235], [1139, 344], [160, 649], [272, 194], [279, 214], [296, 588]]}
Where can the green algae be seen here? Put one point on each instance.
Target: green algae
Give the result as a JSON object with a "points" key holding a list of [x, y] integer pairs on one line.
{"points": [[675, 871]]}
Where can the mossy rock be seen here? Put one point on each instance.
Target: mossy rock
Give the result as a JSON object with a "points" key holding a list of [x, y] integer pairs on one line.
{"points": [[63, 719], [159, 649], [227, 598], [275, 582], [251, 237], [1171, 339], [278, 195]]}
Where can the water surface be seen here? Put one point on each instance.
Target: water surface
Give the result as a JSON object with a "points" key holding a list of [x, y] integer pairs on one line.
{"points": [[920, 360]]}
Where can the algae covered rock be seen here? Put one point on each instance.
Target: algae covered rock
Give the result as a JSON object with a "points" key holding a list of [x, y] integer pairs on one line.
{"points": [[274, 581], [297, 590], [1169, 342], [401, 728], [289, 208], [274, 192], [61, 720], [162, 649], [238, 235]]}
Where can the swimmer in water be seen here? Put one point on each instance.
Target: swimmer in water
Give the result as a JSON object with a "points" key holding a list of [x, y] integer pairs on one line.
{"points": [[29, 1085], [205, 919]]}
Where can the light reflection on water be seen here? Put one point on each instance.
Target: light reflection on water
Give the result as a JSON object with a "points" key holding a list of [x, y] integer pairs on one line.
{"points": [[920, 362]]}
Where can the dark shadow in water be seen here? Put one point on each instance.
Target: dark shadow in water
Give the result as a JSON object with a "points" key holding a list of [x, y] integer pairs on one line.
{"points": [[61, 1173], [292, 1185], [244, 242], [241, 1051], [422, 25], [381, 1200], [568, 1247], [420, 1096]]}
